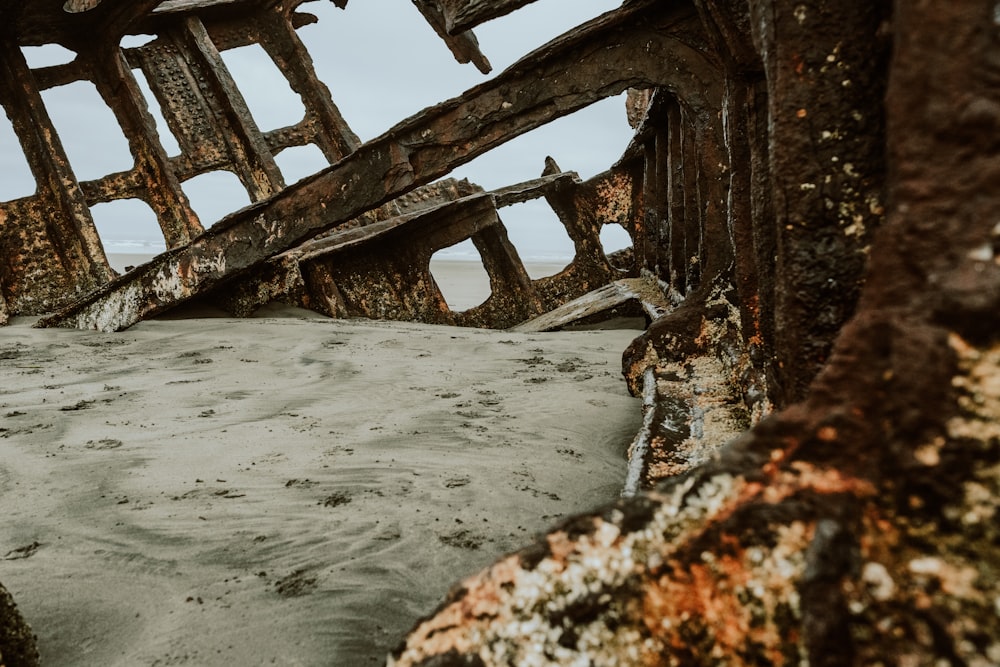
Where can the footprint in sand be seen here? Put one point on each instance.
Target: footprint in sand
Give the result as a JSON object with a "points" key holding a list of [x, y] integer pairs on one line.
{"points": [[335, 499], [456, 482], [463, 539], [103, 444], [295, 584]]}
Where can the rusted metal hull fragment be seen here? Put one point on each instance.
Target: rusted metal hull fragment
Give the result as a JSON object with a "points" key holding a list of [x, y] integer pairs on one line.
{"points": [[628, 296], [433, 217], [415, 152]]}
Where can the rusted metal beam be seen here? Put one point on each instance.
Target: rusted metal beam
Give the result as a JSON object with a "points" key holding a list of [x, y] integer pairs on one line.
{"points": [[693, 211], [161, 188], [42, 22], [251, 159], [644, 44], [332, 133], [54, 234], [113, 18], [306, 275], [643, 292], [462, 15], [464, 45], [819, 110], [391, 279], [675, 197], [299, 276]]}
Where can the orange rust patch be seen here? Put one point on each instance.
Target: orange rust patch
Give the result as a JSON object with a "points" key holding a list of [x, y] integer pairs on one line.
{"points": [[827, 434]]}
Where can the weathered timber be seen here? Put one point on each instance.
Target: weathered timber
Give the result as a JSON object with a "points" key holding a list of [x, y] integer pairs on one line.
{"points": [[575, 70]]}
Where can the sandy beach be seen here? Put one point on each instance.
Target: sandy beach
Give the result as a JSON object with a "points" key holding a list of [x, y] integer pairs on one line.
{"points": [[285, 489]]}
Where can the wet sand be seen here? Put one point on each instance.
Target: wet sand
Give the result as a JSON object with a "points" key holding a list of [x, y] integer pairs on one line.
{"points": [[286, 489]]}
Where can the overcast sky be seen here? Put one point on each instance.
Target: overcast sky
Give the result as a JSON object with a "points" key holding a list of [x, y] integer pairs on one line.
{"points": [[382, 63]]}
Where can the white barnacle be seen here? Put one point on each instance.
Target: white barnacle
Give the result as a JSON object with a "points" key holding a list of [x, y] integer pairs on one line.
{"points": [[927, 565], [983, 253], [880, 583], [928, 454]]}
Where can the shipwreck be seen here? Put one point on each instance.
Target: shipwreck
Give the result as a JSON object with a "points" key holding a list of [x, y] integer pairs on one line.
{"points": [[811, 195]]}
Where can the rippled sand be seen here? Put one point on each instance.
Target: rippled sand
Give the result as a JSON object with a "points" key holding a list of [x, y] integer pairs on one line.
{"points": [[286, 489]]}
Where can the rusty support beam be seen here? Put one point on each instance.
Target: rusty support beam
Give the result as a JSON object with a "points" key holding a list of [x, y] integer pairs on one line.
{"points": [[114, 19], [390, 279], [463, 45], [513, 297], [462, 15], [300, 276], [278, 37], [661, 233], [693, 226], [646, 245], [675, 198], [579, 219], [66, 223], [588, 64], [747, 277], [161, 187], [304, 276], [252, 161], [827, 146]]}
